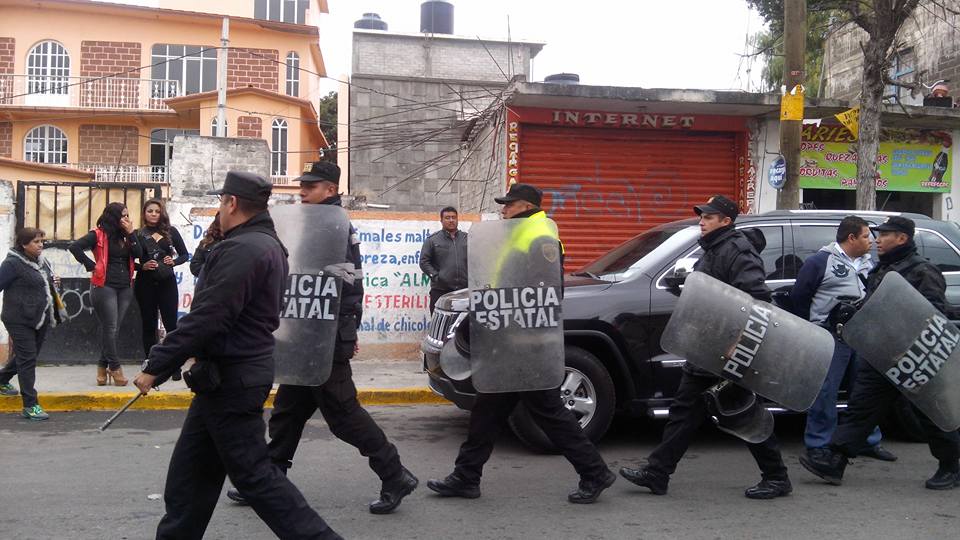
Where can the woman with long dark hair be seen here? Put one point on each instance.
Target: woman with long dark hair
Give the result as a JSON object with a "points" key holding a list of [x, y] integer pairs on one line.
{"points": [[159, 249], [110, 284], [29, 310], [210, 239]]}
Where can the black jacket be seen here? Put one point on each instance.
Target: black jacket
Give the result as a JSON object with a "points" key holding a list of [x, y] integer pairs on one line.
{"points": [[918, 271], [235, 310], [200, 257], [351, 297], [733, 257], [444, 259], [27, 288]]}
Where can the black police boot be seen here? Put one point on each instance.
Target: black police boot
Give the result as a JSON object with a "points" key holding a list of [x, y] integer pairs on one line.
{"points": [[655, 483], [769, 489], [393, 492], [944, 479], [588, 492], [828, 465], [234, 495], [454, 486], [878, 452]]}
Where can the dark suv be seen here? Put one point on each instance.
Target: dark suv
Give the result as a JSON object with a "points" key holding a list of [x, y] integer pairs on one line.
{"points": [[616, 307]]}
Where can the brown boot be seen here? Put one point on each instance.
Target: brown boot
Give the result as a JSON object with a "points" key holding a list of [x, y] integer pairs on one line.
{"points": [[117, 375], [101, 376]]}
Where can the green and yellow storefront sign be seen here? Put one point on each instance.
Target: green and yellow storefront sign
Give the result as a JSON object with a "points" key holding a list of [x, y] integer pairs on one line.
{"points": [[909, 160]]}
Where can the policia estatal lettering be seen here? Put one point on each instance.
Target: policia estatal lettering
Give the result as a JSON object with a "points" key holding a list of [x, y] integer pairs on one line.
{"points": [[490, 411], [337, 398], [230, 331]]}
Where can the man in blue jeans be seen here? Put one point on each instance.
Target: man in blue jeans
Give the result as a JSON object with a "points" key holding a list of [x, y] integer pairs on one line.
{"points": [[837, 273]]}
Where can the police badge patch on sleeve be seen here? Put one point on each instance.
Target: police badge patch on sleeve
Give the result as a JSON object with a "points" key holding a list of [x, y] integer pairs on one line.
{"points": [[551, 252]]}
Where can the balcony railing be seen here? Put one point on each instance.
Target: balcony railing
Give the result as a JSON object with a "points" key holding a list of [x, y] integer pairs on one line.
{"points": [[283, 180], [139, 174], [87, 92]]}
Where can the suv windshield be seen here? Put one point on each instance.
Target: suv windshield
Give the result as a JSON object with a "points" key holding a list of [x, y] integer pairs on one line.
{"points": [[617, 263]]}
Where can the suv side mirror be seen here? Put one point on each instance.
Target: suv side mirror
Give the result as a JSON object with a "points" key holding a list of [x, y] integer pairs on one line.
{"points": [[678, 275]]}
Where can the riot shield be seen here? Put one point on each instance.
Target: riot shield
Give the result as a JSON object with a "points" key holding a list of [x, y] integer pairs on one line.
{"points": [[752, 343], [900, 334], [316, 236], [516, 328]]}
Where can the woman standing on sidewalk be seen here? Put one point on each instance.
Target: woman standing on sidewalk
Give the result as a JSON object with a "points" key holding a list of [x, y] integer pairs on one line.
{"points": [[28, 287], [156, 284], [112, 245], [210, 239]]}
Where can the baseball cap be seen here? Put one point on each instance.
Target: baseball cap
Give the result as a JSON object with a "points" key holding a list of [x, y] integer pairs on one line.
{"points": [[522, 192], [896, 224], [320, 171], [718, 204], [245, 185]]}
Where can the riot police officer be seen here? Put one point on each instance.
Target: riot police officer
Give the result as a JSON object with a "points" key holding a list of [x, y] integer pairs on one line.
{"points": [[872, 394], [491, 410], [230, 331], [337, 398], [729, 256]]}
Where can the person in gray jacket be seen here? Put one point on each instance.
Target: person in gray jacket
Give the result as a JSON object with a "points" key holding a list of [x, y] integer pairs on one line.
{"points": [[444, 257], [835, 275]]}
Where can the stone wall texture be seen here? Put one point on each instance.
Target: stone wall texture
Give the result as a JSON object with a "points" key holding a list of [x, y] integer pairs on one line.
{"points": [[260, 71], [108, 145], [6, 139], [249, 126], [201, 163], [102, 58], [7, 51]]}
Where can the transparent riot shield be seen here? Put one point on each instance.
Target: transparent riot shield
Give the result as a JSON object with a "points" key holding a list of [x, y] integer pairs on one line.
{"points": [[516, 327], [754, 344], [316, 237], [901, 334]]}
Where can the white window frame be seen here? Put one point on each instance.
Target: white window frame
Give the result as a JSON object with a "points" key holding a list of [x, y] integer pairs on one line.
{"points": [[45, 144], [278, 147], [213, 127], [205, 60], [48, 68], [293, 74]]}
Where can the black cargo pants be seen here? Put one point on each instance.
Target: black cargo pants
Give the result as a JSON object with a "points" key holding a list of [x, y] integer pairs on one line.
{"points": [[337, 401], [687, 414], [489, 416]]}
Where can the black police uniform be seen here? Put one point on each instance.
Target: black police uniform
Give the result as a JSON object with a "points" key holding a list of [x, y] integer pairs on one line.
{"points": [[731, 257], [872, 394], [230, 330], [489, 416]]}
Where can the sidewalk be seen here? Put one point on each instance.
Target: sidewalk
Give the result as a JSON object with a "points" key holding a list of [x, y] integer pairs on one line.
{"points": [[73, 388]]}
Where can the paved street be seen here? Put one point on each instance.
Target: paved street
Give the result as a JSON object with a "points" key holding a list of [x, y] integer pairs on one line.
{"points": [[63, 480]]}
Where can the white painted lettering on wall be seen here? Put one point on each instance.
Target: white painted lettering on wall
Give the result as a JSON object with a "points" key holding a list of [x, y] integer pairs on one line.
{"points": [[622, 120]]}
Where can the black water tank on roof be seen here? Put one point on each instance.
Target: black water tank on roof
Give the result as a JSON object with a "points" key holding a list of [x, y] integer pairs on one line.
{"points": [[436, 17], [562, 78], [371, 21]]}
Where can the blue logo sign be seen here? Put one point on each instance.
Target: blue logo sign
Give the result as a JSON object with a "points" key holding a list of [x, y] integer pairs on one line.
{"points": [[778, 173]]}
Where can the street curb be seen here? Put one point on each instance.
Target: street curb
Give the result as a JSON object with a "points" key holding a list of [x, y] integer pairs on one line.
{"points": [[180, 400]]}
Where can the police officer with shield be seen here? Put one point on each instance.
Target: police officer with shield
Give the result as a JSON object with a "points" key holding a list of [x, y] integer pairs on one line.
{"points": [[229, 331], [731, 257], [504, 378], [873, 394], [337, 397]]}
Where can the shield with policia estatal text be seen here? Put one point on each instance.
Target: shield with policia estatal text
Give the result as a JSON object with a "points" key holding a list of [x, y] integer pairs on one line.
{"points": [[516, 327], [752, 343], [905, 338], [316, 237]]}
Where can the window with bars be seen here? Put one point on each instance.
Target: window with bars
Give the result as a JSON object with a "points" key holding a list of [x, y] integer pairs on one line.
{"points": [[213, 127], [288, 11], [45, 144], [48, 69], [293, 74], [278, 148], [193, 66]]}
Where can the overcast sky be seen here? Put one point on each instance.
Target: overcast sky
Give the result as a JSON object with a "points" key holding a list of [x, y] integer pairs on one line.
{"points": [[648, 43]]}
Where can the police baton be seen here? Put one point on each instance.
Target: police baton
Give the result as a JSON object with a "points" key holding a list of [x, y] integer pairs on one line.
{"points": [[121, 411]]}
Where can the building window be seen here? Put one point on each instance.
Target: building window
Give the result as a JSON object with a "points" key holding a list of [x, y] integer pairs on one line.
{"points": [[195, 68], [278, 150], [902, 65], [288, 11], [45, 144], [293, 74], [161, 145], [213, 127], [48, 69]]}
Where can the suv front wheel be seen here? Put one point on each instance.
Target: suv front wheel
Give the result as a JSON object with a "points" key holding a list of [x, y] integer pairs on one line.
{"points": [[587, 390]]}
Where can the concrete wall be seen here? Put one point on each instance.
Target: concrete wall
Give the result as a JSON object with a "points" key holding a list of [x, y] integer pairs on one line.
{"points": [[201, 163], [484, 167], [933, 38]]}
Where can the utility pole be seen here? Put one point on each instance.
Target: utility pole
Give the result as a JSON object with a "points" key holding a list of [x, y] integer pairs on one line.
{"points": [[222, 79], [794, 47]]}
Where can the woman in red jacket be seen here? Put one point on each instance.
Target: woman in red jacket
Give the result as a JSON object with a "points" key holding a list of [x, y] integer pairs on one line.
{"points": [[110, 284]]}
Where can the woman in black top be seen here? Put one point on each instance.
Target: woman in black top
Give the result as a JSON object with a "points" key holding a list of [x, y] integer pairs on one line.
{"points": [[210, 239], [159, 248], [110, 293]]}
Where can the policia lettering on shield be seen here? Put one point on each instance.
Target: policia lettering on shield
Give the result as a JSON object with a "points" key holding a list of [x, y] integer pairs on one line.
{"points": [[516, 307], [230, 332]]}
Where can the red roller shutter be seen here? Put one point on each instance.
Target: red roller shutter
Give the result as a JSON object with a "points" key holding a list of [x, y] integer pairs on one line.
{"points": [[603, 186]]}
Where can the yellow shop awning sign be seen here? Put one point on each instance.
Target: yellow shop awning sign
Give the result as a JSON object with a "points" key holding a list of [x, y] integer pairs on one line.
{"points": [[791, 105], [850, 120]]}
